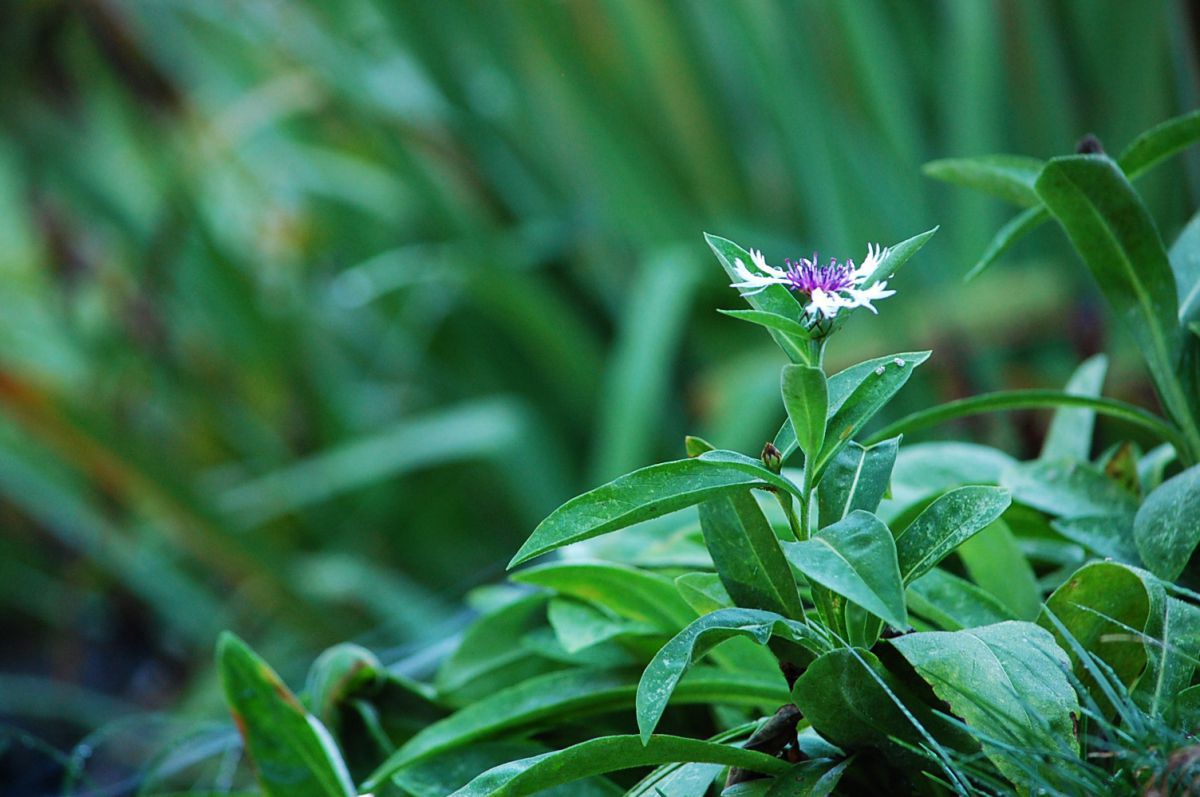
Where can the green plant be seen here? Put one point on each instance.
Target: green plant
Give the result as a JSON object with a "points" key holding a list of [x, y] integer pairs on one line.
{"points": [[938, 617], [273, 278]]}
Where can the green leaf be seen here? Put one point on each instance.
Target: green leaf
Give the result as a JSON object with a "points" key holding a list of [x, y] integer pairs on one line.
{"points": [[647, 493], [995, 562], [695, 446], [851, 409], [925, 470], [945, 524], [1109, 536], [704, 592], [1070, 432], [1009, 177], [850, 698], [954, 603], [856, 478], [1113, 232], [1172, 658], [1158, 143], [486, 659], [1028, 399], [785, 440], [336, 675], [815, 778], [1006, 237], [669, 665], [562, 696], [1146, 151], [1068, 489], [1185, 262], [775, 299], [746, 554], [840, 386], [444, 773], [897, 255], [682, 779], [1186, 713], [856, 558], [1007, 680], [845, 382], [578, 625], [1167, 526], [773, 321], [1098, 605], [293, 754], [610, 754], [806, 399], [629, 592]]}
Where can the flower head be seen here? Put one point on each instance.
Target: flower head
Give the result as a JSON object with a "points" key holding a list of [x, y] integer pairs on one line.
{"points": [[828, 287]]}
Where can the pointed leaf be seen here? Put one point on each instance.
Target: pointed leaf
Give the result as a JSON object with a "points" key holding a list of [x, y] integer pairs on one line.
{"points": [[1160, 142], [635, 594], [561, 696], [899, 254], [806, 399], [647, 493], [840, 386], [1010, 177], [293, 754], [856, 478], [945, 524], [1114, 234], [1007, 237], [776, 299], [1167, 526], [610, 754], [676, 657], [1146, 151], [746, 554], [856, 558], [772, 321], [851, 410]]}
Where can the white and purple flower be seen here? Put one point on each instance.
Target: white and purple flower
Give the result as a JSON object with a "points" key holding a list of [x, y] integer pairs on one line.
{"points": [[828, 287]]}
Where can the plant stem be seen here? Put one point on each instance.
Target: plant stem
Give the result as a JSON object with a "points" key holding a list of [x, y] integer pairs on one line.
{"points": [[804, 505], [789, 510]]}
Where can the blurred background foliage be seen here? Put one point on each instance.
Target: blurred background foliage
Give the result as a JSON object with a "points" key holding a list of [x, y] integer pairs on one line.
{"points": [[312, 310]]}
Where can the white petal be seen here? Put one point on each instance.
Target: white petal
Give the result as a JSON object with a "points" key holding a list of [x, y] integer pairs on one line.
{"points": [[864, 298], [875, 255], [756, 282], [760, 263], [826, 303], [743, 273]]}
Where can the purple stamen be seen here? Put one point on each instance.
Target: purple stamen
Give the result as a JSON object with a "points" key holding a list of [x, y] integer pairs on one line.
{"points": [[806, 276]]}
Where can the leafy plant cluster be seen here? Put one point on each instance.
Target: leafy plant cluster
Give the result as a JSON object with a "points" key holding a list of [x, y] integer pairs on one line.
{"points": [[841, 611], [273, 278]]}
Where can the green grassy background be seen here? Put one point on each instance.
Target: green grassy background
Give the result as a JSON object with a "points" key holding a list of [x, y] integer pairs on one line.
{"points": [[310, 311]]}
